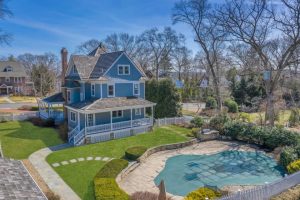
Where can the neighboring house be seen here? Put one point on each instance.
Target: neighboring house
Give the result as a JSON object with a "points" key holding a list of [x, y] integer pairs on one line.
{"points": [[104, 96], [14, 80]]}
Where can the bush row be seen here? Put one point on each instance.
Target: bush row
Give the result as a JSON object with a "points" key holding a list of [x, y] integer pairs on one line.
{"points": [[37, 121], [203, 194], [105, 185], [133, 153]]}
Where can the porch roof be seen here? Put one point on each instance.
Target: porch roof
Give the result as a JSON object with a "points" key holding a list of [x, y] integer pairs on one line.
{"points": [[56, 98], [111, 103]]}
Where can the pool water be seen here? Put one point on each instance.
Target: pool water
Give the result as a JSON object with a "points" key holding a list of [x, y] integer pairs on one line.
{"points": [[185, 173]]}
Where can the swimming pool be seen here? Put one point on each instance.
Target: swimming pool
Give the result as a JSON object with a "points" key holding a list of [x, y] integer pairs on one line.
{"points": [[185, 173]]}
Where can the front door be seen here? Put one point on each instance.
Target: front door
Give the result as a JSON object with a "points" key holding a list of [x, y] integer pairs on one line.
{"points": [[3, 91], [90, 120]]}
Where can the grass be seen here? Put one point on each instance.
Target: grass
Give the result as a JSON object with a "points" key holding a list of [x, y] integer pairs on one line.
{"points": [[189, 113], [23, 99], [2, 100], [79, 176], [282, 118], [20, 139]]}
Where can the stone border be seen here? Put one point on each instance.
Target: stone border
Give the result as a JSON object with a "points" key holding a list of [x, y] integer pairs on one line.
{"points": [[151, 151]]}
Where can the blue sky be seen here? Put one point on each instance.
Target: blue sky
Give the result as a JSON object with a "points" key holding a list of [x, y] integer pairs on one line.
{"points": [[40, 26]]}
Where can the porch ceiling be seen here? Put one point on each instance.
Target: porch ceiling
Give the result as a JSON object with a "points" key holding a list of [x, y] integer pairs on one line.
{"points": [[111, 103]]}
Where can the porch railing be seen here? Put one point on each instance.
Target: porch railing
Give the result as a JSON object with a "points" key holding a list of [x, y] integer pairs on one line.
{"points": [[79, 137], [73, 132], [121, 125], [98, 128]]}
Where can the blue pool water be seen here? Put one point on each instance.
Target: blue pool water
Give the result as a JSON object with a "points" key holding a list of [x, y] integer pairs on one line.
{"points": [[185, 173]]}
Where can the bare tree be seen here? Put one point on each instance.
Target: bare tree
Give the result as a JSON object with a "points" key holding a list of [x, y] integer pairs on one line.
{"points": [[157, 45], [5, 38], [87, 46], [182, 60], [273, 32], [198, 15]]}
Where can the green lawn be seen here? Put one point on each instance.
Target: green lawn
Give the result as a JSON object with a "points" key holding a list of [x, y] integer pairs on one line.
{"points": [[80, 176], [20, 139]]}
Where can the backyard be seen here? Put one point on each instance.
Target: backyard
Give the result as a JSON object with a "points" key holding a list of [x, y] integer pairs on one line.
{"points": [[20, 139], [79, 176]]}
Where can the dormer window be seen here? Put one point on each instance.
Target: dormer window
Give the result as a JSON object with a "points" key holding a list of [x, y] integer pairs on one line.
{"points": [[123, 69], [8, 69]]}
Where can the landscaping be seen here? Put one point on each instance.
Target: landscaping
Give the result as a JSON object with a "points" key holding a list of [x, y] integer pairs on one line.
{"points": [[20, 139], [23, 99], [85, 171]]}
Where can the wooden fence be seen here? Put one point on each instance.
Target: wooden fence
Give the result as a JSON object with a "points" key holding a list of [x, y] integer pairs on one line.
{"points": [[266, 191], [17, 116], [169, 121]]}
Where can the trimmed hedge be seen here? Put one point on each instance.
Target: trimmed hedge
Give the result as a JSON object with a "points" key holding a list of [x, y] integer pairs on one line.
{"points": [[203, 194], [197, 122], [231, 105], [105, 185], [294, 167], [133, 153], [211, 103]]}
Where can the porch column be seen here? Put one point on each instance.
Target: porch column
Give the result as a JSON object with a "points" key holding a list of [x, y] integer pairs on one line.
{"points": [[78, 120], [131, 117], [111, 124]]}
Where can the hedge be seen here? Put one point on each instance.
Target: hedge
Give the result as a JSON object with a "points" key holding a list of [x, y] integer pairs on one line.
{"points": [[203, 194], [294, 167], [105, 185], [133, 153], [197, 122], [231, 105], [211, 103]]}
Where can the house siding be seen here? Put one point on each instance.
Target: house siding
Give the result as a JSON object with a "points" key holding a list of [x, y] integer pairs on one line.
{"points": [[104, 90], [98, 90], [102, 118], [124, 89], [87, 91], [134, 75], [142, 90]]}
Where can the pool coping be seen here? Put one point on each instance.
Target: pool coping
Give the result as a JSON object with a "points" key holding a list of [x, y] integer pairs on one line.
{"points": [[147, 175]]}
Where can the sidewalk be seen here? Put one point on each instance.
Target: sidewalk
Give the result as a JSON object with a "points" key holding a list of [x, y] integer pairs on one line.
{"points": [[53, 180]]}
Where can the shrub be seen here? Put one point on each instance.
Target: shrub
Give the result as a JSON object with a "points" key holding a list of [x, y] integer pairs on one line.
{"points": [[244, 117], [107, 188], [63, 131], [29, 108], [231, 105], [197, 122], [218, 122], [203, 194], [211, 103], [50, 122], [37, 121], [293, 167], [294, 119], [112, 168], [146, 196], [105, 185], [287, 156], [195, 131], [133, 153]]}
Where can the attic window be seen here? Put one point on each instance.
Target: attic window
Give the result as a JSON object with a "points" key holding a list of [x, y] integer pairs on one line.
{"points": [[8, 69], [123, 70]]}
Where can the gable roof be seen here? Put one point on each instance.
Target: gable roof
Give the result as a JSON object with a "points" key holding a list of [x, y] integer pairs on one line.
{"points": [[84, 65], [17, 67], [56, 98]]}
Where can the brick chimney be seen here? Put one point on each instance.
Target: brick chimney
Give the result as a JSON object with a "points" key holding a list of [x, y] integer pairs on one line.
{"points": [[64, 64]]}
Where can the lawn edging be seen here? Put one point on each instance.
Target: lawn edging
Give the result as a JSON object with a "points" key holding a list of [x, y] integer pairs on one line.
{"points": [[149, 152]]}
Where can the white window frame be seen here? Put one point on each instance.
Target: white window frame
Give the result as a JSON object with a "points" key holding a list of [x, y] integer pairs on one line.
{"points": [[123, 69], [7, 79], [117, 116], [114, 90], [93, 89], [72, 113], [90, 121], [69, 95], [138, 88], [138, 111]]}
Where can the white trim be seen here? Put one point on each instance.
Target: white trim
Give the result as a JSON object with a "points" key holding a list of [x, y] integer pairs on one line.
{"points": [[113, 64], [93, 84], [123, 69], [138, 89], [71, 112], [122, 114], [111, 84]]}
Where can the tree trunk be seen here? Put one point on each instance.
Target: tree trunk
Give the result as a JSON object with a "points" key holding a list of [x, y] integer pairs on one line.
{"points": [[218, 96], [157, 72], [270, 110]]}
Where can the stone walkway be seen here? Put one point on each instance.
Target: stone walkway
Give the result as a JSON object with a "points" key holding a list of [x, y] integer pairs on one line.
{"points": [[53, 180], [142, 177], [66, 162]]}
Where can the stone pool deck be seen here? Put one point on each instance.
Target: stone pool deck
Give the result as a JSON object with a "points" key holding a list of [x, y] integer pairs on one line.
{"points": [[142, 177]]}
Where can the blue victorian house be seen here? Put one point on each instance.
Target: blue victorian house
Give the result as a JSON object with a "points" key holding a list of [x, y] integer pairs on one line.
{"points": [[103, 95]]}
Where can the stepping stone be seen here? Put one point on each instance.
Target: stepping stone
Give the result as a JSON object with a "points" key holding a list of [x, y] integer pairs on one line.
{"points": [[55, 164], [89, 158], [73, 161], [105, 159], [80, 159], [64, 162], [98, 158]]}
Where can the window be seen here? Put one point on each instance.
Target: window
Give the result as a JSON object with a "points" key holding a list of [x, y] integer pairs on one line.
{"points": [[123, 70], [93, 90], [8, 69], [74, 70], [16, 79], [138, 111], [20, 79], [7, 79], [111, 90], [68, 95], [90, 120], [72, 116], [117, 114], [136, 89]]}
